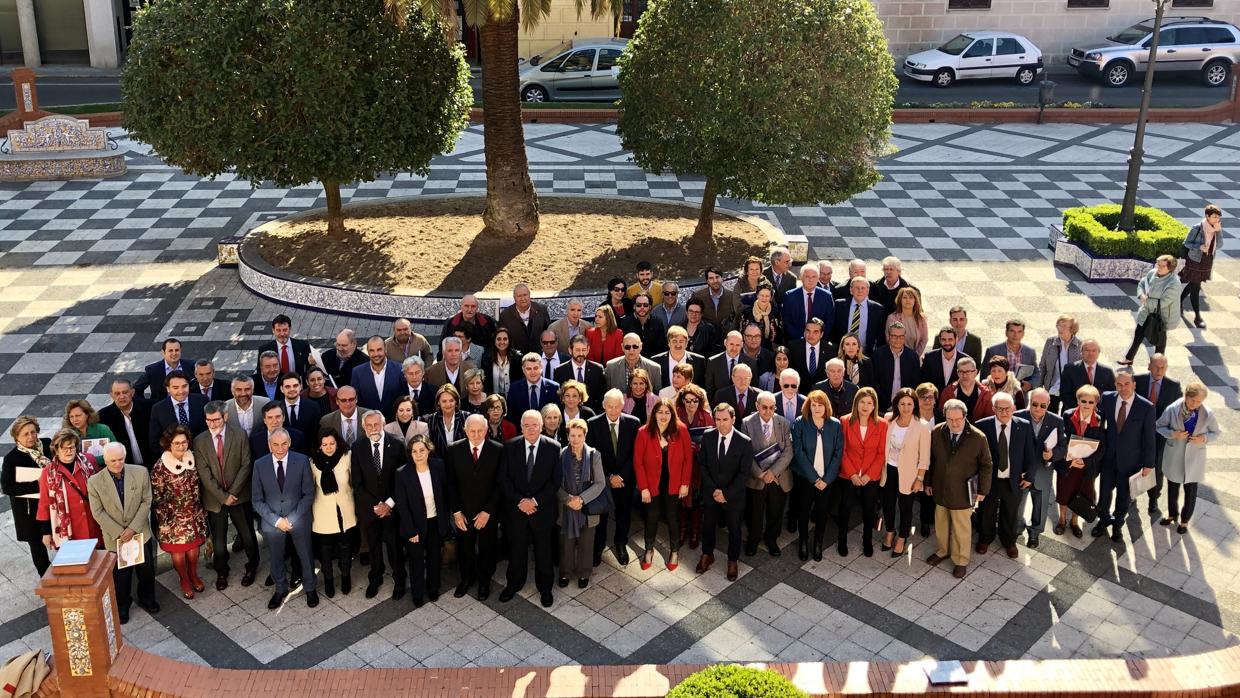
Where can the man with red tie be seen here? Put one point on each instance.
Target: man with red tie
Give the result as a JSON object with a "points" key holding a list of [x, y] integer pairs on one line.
{"points": [[473, 467], [1087, 371], [294, 354]]}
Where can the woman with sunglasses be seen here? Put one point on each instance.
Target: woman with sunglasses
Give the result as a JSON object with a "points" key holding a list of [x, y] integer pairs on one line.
{"points": [[617, 299], [1076, 476]]}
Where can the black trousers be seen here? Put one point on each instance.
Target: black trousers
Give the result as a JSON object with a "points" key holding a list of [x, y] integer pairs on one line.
{"points": [[1192, 289], [623, 516], [1001, 509], [1173, 500], [521, 533], [815, 505], [766, 513], [893, 500], [425, 560], [1113, 483], [123, 580], [849, 495], [925, 511], [334, 548], [1160, 444], [475, 552], [712, 513], [219, 536], [800, 490], [381, 534], [38, 554], [665, 507], [1138, 337]]}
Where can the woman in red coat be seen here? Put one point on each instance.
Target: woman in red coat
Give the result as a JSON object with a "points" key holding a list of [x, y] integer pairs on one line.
{"points": [[605, 337], [861, 469], [663, 464], [62, 492]]}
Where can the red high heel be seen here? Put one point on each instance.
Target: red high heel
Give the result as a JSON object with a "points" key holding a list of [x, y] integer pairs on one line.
{"points": [[673, 561], [648, 560]]}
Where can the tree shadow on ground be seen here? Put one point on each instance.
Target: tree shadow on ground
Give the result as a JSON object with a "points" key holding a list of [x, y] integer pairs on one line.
{"points": [[487, 255]]}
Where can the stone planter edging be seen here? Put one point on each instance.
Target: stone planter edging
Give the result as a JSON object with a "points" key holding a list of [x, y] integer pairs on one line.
{"points": [[1097, 268]]}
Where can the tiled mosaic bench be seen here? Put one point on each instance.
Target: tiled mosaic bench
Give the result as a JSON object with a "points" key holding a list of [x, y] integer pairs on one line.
{"points": [[59, 147]]}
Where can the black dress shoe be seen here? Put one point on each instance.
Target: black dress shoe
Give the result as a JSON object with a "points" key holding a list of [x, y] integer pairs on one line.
{"points": [[329, 587], [622, 555], [867, 549], [277, 599], [774, 550], [817, 551], [842, 548], [364, 559], [346, 584], [1076, 530], [248, 578], [433, 596], [484, 592], [398, 593], [1117, 534], [562, 581], [546, 600], [803, 550], [221, 582], [598, 560], [417, 602], [312, 598], [124, 614], [152, 607], [461, 590], [269, 582], [506, 595], [582, 582], [1098, 530], [751, 549], [1032, 542], [372, 590]]}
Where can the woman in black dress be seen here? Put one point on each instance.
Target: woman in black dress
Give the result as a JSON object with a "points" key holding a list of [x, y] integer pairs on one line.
{"points": [[1200, 247], [20, 481]]}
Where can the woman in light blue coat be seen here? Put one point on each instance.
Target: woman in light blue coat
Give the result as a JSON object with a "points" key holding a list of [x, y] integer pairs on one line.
{"points": [[1188, 425], [1158, 293]]}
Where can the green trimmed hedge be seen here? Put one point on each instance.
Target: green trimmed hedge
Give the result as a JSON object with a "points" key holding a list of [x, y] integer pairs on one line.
{"points": [[1093, 228], [736, 682]]}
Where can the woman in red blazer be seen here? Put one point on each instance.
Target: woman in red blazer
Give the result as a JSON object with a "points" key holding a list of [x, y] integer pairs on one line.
{"points": [[605, 337], [861, 469], [663, 463]]}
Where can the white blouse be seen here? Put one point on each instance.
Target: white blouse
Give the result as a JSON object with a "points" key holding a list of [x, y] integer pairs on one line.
{"points": [[428, 493]]}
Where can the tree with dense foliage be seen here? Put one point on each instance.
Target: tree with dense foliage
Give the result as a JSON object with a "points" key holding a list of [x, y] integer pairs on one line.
{"points": [[781, 102], [293, 92]]}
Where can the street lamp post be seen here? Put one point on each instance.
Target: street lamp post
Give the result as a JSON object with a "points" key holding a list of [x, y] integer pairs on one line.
{"points": [[1127, 213]]}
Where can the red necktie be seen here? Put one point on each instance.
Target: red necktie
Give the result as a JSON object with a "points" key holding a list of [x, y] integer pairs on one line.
{"points": [[475, 454], [284, 359], [1153, 392], [1089, 374], [219, 457]]}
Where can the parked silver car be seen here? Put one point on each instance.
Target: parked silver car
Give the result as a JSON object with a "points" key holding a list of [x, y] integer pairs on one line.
{"points": [[581, 70], [1185, 44]]}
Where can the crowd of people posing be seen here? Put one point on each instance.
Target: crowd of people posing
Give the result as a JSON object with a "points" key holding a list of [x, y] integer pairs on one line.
{"points": [[786, 401]]}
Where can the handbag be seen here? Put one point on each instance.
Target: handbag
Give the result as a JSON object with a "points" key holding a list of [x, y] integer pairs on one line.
{"points": [[1082, 507], [1156, 327], [602, 504]]}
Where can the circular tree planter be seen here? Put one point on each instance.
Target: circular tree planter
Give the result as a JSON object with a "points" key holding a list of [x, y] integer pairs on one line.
{"points": [[290, 261]]}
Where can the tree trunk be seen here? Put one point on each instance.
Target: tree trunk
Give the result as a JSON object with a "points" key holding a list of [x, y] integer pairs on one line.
{"points": [[706, 216], [335, 216], [512, 203]]}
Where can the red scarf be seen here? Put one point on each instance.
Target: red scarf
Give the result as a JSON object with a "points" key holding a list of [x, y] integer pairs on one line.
{"points": [[1076, 421], [57, 482]]}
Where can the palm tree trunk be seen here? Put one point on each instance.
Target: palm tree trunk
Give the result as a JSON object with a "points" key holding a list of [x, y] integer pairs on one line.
{"points": [[512, 203], [706, 215], [335, 215]]}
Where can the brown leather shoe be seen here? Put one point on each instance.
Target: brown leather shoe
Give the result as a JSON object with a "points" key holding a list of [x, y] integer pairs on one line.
{"points": [[958, 571], [704, 563], [221, 582], [1012, 552], [934, 559], [982, 548], [732, 573]]}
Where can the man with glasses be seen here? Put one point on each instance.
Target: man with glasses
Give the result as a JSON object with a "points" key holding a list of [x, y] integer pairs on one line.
{"points": [[958, 453], [1043, 423], [670, 312], [340, 362], [761, 359], [895, 366], [770, 473], [645, 325], [968, 390], [621, 368], [345, 420], [1014, 452]]}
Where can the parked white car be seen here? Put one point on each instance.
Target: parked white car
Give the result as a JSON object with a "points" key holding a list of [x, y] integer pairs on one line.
{"points": [[981, 54]]}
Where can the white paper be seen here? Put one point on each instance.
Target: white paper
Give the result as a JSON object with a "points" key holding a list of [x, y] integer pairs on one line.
{"points": [[25, 473], [131, 553], [1052, 440], [1081, 447], [1139, 484], [1024, 372], [318, 361]]}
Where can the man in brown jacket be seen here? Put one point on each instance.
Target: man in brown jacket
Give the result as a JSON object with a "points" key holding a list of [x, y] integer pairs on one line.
{"points": [[958, 452]]}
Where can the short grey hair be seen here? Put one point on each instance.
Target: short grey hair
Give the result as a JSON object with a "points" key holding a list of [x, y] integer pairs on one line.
{"points": [[279, 431], [966, 361], [765, 395], [449, 341], [742, 366], [790, 374], [779, 253], [242, 378], [613, 394], [575, 301], [372, 413], [954, 404], [214, 407], [113, 447], [1002, 396], [269, 354], [200, 363], [415, 361], [475, 418]]}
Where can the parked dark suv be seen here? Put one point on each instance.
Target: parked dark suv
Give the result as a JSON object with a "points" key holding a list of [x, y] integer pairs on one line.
{"points": [[1185, 44]]}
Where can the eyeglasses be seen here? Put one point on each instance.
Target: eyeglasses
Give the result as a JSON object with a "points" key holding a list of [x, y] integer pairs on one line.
{"points": [[671, 293], [789, 386], [632, 346], [966, 371], [641, 305], [548, 342], [1040, 405], [692, 399], [1085, 402]]}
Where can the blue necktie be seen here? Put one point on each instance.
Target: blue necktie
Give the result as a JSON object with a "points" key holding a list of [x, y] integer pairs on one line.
{"points": [[533, 397], [182, 417], [581, 375], [813, 362]]}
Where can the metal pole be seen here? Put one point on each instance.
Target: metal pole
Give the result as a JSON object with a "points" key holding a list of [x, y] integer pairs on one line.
{"points": [[1127, 213]]}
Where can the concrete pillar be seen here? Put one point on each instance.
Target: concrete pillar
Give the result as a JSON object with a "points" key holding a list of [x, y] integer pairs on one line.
{"points": [[101, 33], [30, 35], [84, 623]]}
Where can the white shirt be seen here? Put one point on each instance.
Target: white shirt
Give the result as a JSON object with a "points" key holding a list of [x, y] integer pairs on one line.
{"points": [[723, 439], [820, 465], [135, 454], [451, 374], [1119, 404], [245, 417], [948, 365], [895, 441], [428, 493], [379, 376]]}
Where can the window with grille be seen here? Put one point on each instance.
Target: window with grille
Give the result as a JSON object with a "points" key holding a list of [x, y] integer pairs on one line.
{"points": [[1192, 3], [968, 4], [1089, 3]]}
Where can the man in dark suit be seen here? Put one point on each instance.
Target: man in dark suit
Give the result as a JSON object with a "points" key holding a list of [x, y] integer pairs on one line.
{"points": [[808, 301], [843, 287], [779, 273], [153, 374], [549, 353], [613, 433], [533, 392], [895, 366], [727, 455], [1014, 452], [840, 392], [379, 382], [529, 481], [525, 320], [739, 396], [584, 371], [273, 418], [302, 415], [809, 356], [282, 489], [421, 390], [966, 341], [719, 367], [474, 464], [644, 324], [678, 353], [939, 365], [374, 483], [1087, 371], [180, 407], [293, 354], [222, 458], [340, 363], [129, 418], [883, 291], [207, 385], [759, 358], [1021, 357], [860, 316], [1044, 423], [1154, 386], [267, 377], [1129, 420]]}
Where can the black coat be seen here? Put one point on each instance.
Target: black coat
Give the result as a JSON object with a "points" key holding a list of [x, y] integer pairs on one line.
{"points": [[26, 526], [727, 396], [439, 435], [798, 361], [163, 415], [706, 341], [596, 380], [369, 485], [717, 374], [488, 363], [342, 371], [542, 487], [153, 377], [729, 474], [884, 373], [301, 354], [932, 369], [697, 361], [1074, 376], [475, 486], [874, 328], [653, 333], [411, 503], [1168, 392], [140, 415], [308, 416], [618, 461]]}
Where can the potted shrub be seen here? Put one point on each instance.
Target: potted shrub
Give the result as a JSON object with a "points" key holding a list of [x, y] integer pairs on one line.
{"points": [[737, 681], [1090, 242]]}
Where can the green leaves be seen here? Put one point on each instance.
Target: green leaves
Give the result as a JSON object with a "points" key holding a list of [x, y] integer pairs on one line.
{"points": [[1094, 228]]}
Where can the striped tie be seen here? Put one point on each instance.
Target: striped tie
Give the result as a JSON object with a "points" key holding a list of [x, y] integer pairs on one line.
{"points": [[854, 325]]}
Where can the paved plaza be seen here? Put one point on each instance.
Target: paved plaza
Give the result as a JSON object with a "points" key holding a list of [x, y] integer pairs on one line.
{"points": [[92, 274]]}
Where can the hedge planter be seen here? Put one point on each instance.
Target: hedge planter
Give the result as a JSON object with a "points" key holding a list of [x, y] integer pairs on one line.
{"points": [[1097, 267], [1089, 241]]}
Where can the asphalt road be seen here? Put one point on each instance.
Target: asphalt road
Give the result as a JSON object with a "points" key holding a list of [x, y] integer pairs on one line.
{"points": [[1170, 91]]}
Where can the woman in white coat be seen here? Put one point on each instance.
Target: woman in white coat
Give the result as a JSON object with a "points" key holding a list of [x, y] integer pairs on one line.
{"points": [[406, 425], [334, 517], [1188, 425]]}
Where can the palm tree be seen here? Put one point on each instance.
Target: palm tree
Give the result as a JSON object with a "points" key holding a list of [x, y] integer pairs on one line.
{"points": [[512, 202]]}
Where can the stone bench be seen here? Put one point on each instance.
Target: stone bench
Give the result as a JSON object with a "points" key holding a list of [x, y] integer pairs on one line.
{"points": [[59, 147]]}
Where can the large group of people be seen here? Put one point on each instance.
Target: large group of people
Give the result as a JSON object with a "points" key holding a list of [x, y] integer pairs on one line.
{"points": [[789, 400]]}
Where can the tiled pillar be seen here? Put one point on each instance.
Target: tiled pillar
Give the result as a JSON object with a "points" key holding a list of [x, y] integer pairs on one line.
{"points": [[24, 94], [84, 623]]}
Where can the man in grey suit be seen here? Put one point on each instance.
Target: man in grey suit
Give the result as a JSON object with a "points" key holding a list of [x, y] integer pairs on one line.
{"points": [[569, 326], [245, 409], [120, 501], [222, 457], [770, 474], [1044, 423], [620, 368], [1021, 357], [283, 492]]}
